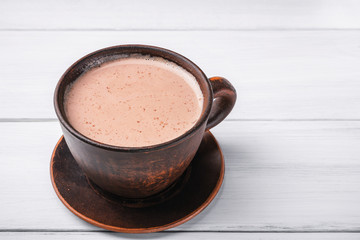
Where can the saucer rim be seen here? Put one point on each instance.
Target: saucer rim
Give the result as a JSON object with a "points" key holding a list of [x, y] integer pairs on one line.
{"points": [[142, 230]]}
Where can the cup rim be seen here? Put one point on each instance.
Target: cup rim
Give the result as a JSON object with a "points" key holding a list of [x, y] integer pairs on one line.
{"points": [[203, 117]]}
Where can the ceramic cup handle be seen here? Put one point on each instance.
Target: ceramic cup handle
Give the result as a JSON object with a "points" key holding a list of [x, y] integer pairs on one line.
{"points": [[224, 100]]}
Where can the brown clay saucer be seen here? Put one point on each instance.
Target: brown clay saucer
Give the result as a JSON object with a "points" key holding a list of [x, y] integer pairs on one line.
{"points": [[194, 191]]}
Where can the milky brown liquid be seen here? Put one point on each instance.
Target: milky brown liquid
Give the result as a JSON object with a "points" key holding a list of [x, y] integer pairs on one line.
{"points": [[134, 102]]}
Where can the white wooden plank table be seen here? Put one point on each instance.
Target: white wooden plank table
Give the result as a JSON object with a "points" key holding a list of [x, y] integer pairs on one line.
{"points": [[291, 144]]}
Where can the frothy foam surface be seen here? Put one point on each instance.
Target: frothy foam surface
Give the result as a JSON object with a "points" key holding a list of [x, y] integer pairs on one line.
{"points": [[134, 102]]}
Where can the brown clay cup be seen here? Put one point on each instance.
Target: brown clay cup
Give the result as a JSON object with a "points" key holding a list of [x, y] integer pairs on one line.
{"points": [[141, 172]]}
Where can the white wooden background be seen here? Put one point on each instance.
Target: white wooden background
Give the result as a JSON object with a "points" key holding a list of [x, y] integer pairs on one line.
{"points": [[291, 144]]}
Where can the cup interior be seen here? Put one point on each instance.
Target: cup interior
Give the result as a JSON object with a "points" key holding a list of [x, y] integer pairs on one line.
{"points": [[97, 58]]}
